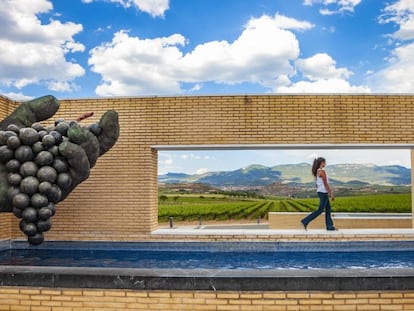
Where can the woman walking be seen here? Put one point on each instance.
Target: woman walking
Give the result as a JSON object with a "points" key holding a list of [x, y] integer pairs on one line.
{"points": [[324, 192]]}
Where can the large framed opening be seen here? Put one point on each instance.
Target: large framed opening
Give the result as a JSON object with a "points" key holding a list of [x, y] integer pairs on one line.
{"points": [[263, 179]]}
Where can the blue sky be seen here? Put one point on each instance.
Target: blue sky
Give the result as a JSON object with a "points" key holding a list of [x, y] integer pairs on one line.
{"points": [[198, 162], [101, 48], [105, 48]]}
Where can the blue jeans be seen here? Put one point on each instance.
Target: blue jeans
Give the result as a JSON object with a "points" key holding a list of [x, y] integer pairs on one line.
{"points": [[324, 204]]}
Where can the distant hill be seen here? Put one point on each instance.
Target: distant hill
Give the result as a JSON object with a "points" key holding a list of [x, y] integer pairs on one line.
{"points": [[297, 174]]}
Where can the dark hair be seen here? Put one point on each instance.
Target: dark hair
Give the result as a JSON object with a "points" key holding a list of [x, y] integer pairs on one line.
{"points": [[316, 164]]}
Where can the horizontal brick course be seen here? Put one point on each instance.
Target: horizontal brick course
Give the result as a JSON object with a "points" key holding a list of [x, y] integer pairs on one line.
{"points": [[186, 300]]}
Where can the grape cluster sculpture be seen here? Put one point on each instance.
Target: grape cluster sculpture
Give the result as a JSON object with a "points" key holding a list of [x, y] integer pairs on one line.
{"points": [[40, 166]]}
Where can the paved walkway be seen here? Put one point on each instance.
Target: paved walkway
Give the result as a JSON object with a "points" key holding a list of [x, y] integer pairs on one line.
{"points": [[189, 232]]}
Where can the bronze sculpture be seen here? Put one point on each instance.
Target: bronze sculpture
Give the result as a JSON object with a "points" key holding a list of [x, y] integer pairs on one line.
{"points": [[40, 166]]}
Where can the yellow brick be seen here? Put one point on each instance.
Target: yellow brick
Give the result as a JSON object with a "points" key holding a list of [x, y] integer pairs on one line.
{"points": [[370, 295], [391, 295], [279, 295], [182, 294], [30, 291], [276, 308], [340, 295], [29, 302], [310, 301], [203, 295], [72, 292], [51, 292], [251, 296], [297, 295], [227, 307], [114, 293], [96, 293], [8, 290], [51, 303], [321, 295], [137, 306], [228, 295], [251, 308], [159, 294], [240, 301], [40, 308]]}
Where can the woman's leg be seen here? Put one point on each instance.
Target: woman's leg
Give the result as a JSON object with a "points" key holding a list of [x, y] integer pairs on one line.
{"points": [[328, 218], [322, 202]]}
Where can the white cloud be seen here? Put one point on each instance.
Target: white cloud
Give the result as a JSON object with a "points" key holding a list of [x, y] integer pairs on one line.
{"points": [[366, 156], [283, 22], [330, 7], [61, 86], [334, 85], [131, 66], [202, 170], [32, 52], [195, 156], [324, 77], [17, 96], [321, 66], [402, 14], [397, 76], [262, 54], [166, 163], [196, 88], [155, 8]]}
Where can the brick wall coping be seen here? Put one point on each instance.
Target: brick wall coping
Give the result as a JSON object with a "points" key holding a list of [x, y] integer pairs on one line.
{"points": [[244, 95], [281, 146], [354, 215], [210, 280], [299, 235], [228, 246]]}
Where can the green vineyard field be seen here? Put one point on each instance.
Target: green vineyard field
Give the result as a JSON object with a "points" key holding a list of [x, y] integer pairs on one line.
{"points": [[191, 207]]}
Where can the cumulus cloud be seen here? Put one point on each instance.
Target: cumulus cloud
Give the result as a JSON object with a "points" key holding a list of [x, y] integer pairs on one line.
{"points": [[283, 22], [262, 54], [17, 96], [321, 66], [396, 76], [330, 7], [324, 77], [402, 14], [130, 65], [156, 8], [35, 53], [334, 85]]}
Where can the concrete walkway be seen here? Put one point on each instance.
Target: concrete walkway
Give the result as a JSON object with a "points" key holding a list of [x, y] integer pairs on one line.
{"points": [[189, 232]]}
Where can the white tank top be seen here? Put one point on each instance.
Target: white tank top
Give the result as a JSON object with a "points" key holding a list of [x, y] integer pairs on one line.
{"points": [[320, 186]]}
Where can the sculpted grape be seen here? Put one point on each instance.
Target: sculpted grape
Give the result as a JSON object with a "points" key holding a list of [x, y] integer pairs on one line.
{"points": [[37, 173]]}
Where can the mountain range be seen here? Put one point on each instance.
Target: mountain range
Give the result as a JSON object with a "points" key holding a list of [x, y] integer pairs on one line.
{"points": [[297, 174]]}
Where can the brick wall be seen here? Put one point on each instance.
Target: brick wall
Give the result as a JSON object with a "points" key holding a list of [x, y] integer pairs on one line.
{"points": [[6, 105], [50, 299], [119, 200]]}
